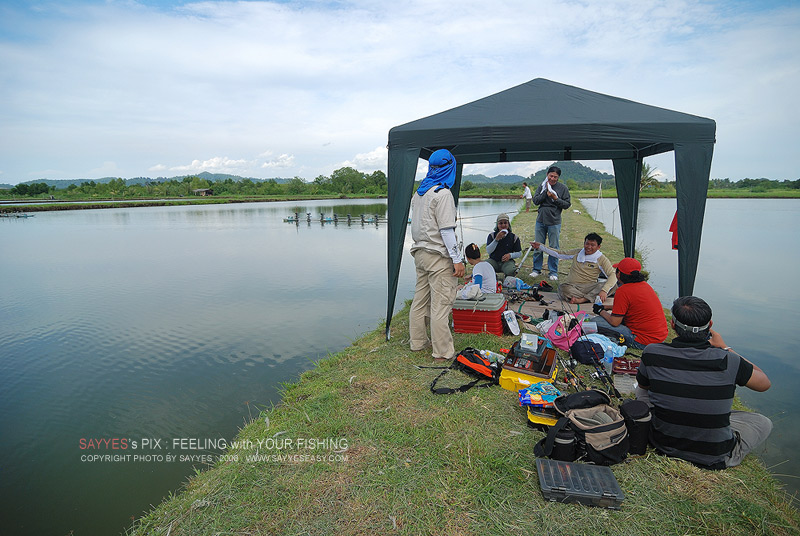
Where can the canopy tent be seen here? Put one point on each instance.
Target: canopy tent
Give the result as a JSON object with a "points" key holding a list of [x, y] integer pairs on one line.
{"points": [[543, 120]]}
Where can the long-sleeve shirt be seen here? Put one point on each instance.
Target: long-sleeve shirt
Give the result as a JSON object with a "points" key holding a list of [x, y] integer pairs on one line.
{"points": [[582, 273], [550, 209]]}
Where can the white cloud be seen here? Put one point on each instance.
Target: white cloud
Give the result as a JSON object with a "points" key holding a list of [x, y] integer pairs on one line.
{"points": [[368, 162], [218, 164], [283, 161], [144, 87]]}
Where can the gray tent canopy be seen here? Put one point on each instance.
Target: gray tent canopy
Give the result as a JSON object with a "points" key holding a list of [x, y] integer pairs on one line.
{"points": [[543, 120]]}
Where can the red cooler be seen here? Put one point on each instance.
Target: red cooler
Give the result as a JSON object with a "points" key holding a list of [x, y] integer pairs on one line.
{"points": [[471, 316]]}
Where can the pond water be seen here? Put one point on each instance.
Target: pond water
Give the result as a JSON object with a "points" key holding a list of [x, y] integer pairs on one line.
{"points": [[745, 273], [167, 323]]}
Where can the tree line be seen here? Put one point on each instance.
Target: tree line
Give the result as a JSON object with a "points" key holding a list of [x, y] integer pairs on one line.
{"points": [[345, 181]]}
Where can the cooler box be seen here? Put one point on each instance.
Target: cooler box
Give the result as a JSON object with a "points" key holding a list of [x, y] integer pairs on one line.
{"points": [[569, 482], [471, 316]]}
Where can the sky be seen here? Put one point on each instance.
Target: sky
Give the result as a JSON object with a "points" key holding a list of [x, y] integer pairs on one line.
{"points": [[125, 88]]}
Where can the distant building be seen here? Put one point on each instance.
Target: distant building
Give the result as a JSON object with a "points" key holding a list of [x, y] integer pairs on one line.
{"points": [[203, 191]]}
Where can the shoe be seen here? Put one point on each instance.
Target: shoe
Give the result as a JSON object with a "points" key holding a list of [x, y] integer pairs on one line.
{"points": [[534, 274], [554, 277]]}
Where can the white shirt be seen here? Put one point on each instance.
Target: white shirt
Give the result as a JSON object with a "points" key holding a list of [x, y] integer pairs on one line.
{"points": [[527, 193], [485, 270]]}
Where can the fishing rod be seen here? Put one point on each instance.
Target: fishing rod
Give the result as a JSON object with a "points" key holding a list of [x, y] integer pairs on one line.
{"points": [[575, 380], [599, 368], [523, 260]]}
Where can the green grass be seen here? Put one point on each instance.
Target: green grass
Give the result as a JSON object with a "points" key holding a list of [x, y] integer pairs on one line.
{"points": [[418, 463]]}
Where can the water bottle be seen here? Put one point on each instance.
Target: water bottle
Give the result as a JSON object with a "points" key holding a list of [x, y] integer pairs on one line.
{"points": [[492, 356], [608, 358]]}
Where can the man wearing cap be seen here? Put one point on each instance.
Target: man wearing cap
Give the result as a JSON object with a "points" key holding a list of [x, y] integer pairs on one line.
{"points": [[637, 313], [552, 197], [690, 384], [437, 257], [503, 247]]}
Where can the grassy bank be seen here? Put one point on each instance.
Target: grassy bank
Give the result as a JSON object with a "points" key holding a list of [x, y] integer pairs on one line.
{"points": [[397, 459]]}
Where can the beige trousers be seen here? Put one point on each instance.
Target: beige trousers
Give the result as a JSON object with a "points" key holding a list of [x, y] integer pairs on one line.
{"points": [[433, 300]]}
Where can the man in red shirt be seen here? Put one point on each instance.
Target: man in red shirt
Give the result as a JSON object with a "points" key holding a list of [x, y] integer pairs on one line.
{"points": [[637, 312]]}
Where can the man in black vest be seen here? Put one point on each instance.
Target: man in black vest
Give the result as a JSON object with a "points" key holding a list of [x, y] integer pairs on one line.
{"points": [[503, 247], [690, 384]]}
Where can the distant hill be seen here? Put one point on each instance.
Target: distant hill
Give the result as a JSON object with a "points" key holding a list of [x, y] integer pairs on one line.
{"points": [[499, 179], [583, 175], [212, 177]]}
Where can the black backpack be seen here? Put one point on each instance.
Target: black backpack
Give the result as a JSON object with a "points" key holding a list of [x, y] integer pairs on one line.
{"points": [[601, 436], [586, 351]]}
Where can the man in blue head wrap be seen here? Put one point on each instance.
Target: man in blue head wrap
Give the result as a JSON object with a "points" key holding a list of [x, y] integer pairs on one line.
{"points": [[436, 256]]}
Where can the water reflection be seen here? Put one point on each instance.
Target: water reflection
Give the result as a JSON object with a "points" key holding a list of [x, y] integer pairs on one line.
{"points": [[168, 322]]}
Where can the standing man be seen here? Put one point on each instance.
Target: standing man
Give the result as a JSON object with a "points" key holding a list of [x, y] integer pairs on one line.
{"points": [[552, 197], [526, 194], [690, 384], [436, 256]]}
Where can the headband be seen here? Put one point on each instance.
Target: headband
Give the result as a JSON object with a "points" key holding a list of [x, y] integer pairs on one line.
{"points": [[690, 329]]}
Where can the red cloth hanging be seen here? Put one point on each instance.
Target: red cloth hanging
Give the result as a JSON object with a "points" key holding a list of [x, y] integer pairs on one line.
{"points": [[673, 228]]}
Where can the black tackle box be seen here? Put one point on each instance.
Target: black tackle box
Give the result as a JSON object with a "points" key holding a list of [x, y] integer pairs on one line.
{"points": [[569, 482]]}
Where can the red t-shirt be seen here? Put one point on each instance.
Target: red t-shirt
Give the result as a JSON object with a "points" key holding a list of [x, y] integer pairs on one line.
{"points": [[640, 306]]}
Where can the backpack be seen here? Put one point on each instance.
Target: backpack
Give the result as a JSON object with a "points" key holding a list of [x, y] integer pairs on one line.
{"points": [[586, 352], [471, 362], [601, 436], [564, 335]]}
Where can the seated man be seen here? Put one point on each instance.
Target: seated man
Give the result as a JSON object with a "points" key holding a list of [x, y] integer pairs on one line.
{"points": [[690, 384], [503, 247], [482, 272], [637, 313], [581, 285]]}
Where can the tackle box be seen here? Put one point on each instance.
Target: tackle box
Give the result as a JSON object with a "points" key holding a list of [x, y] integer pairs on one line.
{"points": [[624, 365], [479, 316], [571, 482], [538, 417], [529, 361]]}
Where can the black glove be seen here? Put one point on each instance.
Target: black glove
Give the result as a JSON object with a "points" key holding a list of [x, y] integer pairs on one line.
{"points": [[596, 308]]}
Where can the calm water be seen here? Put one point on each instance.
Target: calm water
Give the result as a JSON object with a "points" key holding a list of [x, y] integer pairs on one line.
{"points": [[165, 323], [747, 271]]}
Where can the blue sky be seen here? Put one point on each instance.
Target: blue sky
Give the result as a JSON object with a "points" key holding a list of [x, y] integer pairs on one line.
{"points": [[90, 89]]}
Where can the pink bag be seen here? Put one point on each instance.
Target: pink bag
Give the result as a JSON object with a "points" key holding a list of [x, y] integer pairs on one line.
{"points": [[563, 338]]}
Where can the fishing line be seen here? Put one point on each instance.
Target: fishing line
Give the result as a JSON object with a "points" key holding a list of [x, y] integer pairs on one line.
{"points": [[602, 373]]}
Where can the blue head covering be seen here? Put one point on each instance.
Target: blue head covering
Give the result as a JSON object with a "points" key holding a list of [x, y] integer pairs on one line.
{"points": [[441, 171]]}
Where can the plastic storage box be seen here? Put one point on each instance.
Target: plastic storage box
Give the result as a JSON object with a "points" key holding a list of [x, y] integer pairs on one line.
{"points": [[570, 482], [471, 316], [531, 360]]}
